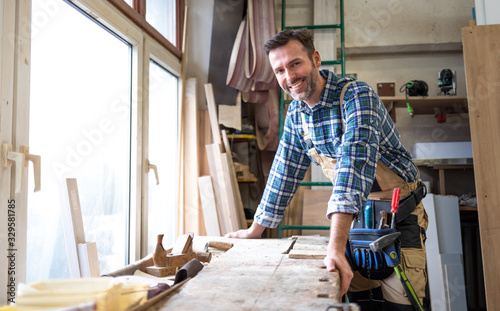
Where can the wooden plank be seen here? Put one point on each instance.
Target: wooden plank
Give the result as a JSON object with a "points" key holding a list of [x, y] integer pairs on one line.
{"points": [[212, 112], [482, 68], [209, 205], [314, 213], [230, 116], [231, 207], [238, 204], [89, 260], [309, 247], [221, 197], [220, 170], [300, 284], [189, 169], [73, 227], [307, 254]]}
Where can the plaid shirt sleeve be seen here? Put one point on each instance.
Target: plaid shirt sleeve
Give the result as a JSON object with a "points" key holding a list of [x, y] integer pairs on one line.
{"points": [[287, 172]]}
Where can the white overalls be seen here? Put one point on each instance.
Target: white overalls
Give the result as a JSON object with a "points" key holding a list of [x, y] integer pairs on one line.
{"points": [[413, 260]]}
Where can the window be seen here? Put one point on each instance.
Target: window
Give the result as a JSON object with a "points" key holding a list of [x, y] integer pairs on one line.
{"points": [[161, 15], [162, 20], [80, 122], [162, 207]]}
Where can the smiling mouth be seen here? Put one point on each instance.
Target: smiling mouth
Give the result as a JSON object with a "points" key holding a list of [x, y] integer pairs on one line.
{"points": [[296, 84]]}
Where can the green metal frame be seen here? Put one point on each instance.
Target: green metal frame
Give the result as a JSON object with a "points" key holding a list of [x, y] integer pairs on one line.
{"points": [[340, 62]]}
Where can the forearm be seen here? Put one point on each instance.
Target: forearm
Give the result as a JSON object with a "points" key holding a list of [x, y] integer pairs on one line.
{"points": [[335, 258], [339, 232]]}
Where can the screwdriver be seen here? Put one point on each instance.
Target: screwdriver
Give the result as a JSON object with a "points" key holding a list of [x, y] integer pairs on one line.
{"points": [[394, 205]]}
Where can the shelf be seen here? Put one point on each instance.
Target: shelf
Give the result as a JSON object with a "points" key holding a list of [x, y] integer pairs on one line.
{"points": [[444, 163], [247, 180], [426, 104], [464, 208], [241, 137]]}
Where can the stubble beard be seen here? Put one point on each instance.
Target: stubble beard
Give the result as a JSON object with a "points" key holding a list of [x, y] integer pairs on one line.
{"points": [[311, 87]]}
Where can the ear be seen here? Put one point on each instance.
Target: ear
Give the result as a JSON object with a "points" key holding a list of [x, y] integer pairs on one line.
{"points": [[316, 59]]}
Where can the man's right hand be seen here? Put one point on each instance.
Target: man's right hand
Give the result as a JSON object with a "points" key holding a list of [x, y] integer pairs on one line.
{"points": [[254, 232]]}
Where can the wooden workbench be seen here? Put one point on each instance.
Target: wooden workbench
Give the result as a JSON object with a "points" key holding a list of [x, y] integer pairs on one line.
{"points": [[259, 274]]}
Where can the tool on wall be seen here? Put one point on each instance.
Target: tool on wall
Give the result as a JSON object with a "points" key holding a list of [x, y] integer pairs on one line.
{"points": [[413, 88], [447, 82]]}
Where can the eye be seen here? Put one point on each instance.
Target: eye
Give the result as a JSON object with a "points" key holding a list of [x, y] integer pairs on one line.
{"points": [[278, 71]]}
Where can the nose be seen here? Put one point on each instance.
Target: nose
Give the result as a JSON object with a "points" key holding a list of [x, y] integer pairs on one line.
{"points": [[289, 75]]}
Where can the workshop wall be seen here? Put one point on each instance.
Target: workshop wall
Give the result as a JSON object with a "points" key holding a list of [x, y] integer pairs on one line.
{"points": [[386, 41]]}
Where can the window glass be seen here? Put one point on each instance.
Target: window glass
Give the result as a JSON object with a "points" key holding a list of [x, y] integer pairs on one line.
{"points": [[80, 116], [161, 15], [162, 207]]}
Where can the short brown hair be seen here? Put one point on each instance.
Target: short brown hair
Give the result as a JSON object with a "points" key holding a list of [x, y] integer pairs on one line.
{"points": [[283, 37]]}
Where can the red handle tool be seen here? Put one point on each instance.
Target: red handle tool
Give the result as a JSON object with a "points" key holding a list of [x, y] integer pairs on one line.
{"points": [[394, 205]]}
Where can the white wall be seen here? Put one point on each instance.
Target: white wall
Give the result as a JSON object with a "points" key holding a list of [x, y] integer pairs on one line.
{"points": [[398, 22]]}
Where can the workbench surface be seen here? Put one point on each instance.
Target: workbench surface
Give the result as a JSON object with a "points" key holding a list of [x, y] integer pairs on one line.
{"points": [[259, 274]]}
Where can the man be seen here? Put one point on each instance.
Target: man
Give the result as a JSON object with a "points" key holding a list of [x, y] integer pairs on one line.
{"points": [[347, 141]]}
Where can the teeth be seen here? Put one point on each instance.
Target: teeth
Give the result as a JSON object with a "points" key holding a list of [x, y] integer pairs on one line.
{"points": [[296, 84]]}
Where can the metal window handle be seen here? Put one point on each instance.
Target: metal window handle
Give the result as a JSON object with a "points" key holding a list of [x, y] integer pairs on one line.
{"points": [[37, 161], [149, 167]]}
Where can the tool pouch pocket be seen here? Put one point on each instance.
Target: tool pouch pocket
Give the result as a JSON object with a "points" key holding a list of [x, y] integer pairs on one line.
{"points": [[373, 265], [406, 207]]}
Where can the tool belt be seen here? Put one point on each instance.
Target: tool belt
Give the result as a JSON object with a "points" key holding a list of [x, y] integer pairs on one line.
{"points": [[379, 265], [406, 207], [372, 265]]}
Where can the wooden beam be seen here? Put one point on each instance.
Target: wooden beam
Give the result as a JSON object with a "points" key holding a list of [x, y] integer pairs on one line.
{"points": [[209, 205], [482, 69]]}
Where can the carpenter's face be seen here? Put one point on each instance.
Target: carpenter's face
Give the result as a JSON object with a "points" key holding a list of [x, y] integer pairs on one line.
{"points": [[295, 72]]}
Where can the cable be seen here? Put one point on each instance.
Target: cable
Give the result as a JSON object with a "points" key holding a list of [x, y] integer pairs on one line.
{"points": [[413, 88]]}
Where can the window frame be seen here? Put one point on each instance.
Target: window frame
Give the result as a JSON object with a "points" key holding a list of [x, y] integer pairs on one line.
{"points": [[153, 51], [15, 80], [137, 14]]}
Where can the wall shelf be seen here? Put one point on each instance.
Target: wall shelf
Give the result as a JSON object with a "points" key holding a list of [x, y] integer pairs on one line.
{"points": [[427, 104]]}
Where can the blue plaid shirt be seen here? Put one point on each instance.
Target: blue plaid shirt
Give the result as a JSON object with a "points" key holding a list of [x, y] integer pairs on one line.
{"points": [[370, 135]]}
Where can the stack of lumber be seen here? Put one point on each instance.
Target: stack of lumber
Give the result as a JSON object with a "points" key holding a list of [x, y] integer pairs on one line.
{"points": [[221, 200]]}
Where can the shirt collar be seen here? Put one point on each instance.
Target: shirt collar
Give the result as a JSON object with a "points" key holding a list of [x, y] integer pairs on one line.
{"points": [[325, 98]]}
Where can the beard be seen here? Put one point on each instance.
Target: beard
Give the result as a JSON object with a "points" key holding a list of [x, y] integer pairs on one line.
{"points": [[312, 84]]}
